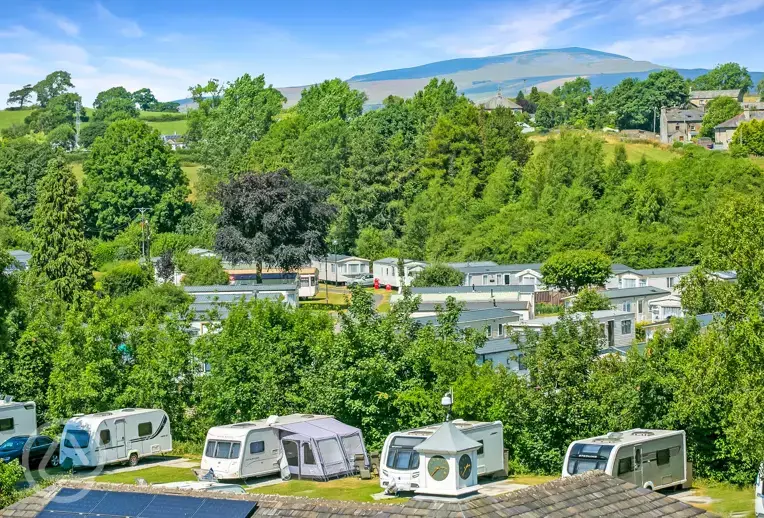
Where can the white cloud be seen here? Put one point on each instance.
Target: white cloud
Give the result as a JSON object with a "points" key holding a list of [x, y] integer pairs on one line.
{"points": [[659, 48], [19, 64], [693, 13], [127, 28], [62, 22], [16, 31]]}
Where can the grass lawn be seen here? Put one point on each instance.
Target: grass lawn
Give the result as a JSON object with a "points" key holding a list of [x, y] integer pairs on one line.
{"points": [[728, 498], [349, 489], [532, 480], [634, 150], [192, 172], [77, 170], [155, 475], [169, 127], [384, 306], [10, 117], [335, 297]]}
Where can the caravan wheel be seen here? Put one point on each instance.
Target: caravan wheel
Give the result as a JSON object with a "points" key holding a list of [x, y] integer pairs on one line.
{"points": [[133, 461]]}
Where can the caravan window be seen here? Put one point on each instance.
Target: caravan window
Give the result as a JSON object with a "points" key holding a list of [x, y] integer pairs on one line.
{"points": [[587, 457], [352, 445], [222, 450], [292, 453], [76, 439], [105, 437], [663, 457], [6, 424], [145, 429], [402, 455], [625, 465], [480, 450], [257, 447], [307, 454]]}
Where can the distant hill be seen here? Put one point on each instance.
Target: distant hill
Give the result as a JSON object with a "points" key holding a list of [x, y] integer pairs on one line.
{"points": [[480, 78]]}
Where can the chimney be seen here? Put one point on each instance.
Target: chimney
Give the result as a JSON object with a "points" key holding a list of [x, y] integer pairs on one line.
{"points": [[747, 113]]}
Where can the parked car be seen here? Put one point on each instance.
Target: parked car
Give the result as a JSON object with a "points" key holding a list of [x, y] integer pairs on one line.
{"points": [[366, 280], [31, 451]]}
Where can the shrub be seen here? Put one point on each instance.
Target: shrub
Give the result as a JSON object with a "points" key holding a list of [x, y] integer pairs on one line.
{"points": [[201, 271], [126, 278], [10, 474], [438, 275]]}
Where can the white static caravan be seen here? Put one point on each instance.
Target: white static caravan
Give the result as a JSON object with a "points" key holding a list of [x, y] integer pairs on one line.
{"points": [[303, 445], [399, 464], [653, 459], [16, 418], [124, 435]]}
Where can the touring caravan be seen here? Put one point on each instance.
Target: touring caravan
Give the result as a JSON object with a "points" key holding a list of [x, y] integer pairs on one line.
{"points": [[124, 435], [654, 459], [304, 445], [16, 418], [399, 464]]}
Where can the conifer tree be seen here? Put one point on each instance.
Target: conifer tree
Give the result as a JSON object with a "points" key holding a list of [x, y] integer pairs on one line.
{"points": [[60, 253]]}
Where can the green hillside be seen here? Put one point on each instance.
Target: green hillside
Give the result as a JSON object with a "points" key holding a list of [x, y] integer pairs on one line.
{"points": [[11, 117]]}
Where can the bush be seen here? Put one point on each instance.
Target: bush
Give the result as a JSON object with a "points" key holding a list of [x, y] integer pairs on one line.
{"points": [[162, 116], [126, 278], [10, 474], [172, 242], [438, 275], [201, 271]]}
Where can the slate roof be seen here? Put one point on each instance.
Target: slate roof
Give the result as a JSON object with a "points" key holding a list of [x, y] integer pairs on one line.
{"points": [[639, 291], [394, 261], [551, 320], [712, 94], [499, 345], [500, 101], [735, 121], [676, 115], [499, 268], [588, 495], [447, 439]]}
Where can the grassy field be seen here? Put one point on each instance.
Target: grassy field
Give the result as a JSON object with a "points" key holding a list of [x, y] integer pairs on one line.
{"points": [[335, 297], [634, 150], [155, 475], [192, 172], [11, 117], [349, 489], [728, 499]]}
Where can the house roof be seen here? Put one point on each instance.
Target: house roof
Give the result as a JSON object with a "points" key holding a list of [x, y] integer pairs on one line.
{"points": [[712, 94], [498, 345], [676, 270], [474, 316], [592, 494], [447, 439], [394, 261], [471, 264], [499, 101], [504, 288], [596, 315], [620, 268], [737, 120], [499, 268], [520, 305], [639, 291], [677, 115]]}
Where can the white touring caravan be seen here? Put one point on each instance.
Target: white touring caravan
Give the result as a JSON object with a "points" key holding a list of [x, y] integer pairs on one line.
{"points": [[399, 463], [654, 459], [124, 435], [304, 445], [16, 418]]}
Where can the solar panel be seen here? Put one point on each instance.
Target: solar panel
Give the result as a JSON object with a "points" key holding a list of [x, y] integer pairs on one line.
{"points": [[75, 503]]}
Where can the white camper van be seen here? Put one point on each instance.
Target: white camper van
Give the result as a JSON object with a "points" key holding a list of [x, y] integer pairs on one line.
{"points": [[399, 464], [304, 445], [124, 435], [654, 459], [16, 418], [759, 491]]}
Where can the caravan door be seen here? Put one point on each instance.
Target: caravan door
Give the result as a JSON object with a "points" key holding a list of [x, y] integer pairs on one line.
{"points": [[638, 473], [119, 437]]}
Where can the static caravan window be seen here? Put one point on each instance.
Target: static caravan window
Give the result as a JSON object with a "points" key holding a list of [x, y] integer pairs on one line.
{"points": [[145, 429], [488, 331], [257, 447], [6, 424], [625, 327], [627, 306], [500, 330], [640, 306], [670, 281], [663, 457], [105, 437], [480, 450], [307, 454], [520, 364]]}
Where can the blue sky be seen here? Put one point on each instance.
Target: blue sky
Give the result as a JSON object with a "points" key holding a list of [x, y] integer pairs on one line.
{"points": [[168, 46]]}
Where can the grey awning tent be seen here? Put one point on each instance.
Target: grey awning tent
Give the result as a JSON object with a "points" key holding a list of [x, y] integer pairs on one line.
{"points": [[321, 448]]}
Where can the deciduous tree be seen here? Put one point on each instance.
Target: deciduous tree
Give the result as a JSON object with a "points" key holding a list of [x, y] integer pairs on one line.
{"points": [[719, 110], [23, 163], [729, 76], [438, 275], [576, 269], [54, 84], [271, 219], [21, 96]]}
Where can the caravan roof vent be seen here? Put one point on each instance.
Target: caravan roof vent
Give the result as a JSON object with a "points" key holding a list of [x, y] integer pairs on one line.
{"points": [[102, 414], [243, 425], [644, 433], [271, 419], [615, 436], [308, 416], [128, 410]]}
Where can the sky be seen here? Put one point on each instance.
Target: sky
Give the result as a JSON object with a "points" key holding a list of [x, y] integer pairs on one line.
{"points": [[169, 46]]}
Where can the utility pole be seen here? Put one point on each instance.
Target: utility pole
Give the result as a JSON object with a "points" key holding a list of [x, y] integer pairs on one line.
{"points": [[145, 234], [77, 122]]}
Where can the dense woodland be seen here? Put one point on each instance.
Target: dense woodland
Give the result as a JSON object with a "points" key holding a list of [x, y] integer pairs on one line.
{"points": [[431, 177]]}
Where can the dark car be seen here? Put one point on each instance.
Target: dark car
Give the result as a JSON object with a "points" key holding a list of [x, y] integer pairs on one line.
{"points": [[31, 451]]}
